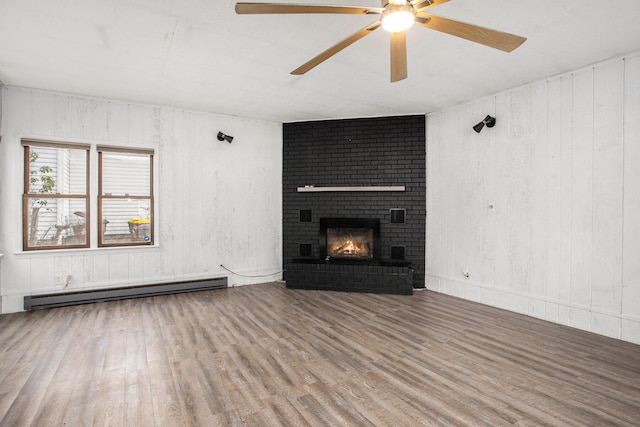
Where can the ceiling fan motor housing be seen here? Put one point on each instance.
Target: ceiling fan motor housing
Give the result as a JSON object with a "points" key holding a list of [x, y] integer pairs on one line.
{"points": [[385, 3]]}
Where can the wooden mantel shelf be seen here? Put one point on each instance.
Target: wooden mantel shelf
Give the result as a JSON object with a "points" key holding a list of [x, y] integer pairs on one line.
{"points": [[313, 189]]}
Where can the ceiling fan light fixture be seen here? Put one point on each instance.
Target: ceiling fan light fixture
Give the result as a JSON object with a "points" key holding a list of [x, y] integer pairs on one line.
{"points": [[398, 17]]}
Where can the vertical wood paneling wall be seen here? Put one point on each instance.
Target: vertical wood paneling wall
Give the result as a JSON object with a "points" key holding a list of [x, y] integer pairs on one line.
{"points": [[562, 171], [217, 203]]}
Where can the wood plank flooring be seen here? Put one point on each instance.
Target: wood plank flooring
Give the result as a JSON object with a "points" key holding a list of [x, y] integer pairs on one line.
{"points": [[265, 355]]}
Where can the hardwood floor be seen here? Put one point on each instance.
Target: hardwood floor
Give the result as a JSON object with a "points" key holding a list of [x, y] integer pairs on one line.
{"points": [[265, 355]]}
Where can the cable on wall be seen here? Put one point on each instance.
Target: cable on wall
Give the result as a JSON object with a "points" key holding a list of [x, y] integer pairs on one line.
{"points": [[258, 275]]}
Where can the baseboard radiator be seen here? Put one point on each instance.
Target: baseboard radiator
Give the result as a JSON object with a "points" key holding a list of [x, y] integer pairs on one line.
{"points": [[85, 297]]}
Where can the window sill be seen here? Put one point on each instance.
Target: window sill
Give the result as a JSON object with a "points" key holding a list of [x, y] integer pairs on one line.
{"points": [[86, 251]]}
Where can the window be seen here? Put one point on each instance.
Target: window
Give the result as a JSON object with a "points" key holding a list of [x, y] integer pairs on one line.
{"points": [[55, 200], [125, 200]]}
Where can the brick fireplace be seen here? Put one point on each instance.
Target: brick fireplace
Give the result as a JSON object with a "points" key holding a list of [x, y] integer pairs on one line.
{"points": [[367, 171]]}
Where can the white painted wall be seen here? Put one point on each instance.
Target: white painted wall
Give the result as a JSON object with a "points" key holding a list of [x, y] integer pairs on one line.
{"points": [[562, 168], [1, 191], [217, 203]]}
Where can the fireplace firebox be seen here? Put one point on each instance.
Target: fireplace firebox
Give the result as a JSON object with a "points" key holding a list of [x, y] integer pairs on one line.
{"points": [[350, 239]]}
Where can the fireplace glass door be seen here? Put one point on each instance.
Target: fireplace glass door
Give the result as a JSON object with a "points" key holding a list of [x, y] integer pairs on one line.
{"points": [[352, 243], [350, 239]]}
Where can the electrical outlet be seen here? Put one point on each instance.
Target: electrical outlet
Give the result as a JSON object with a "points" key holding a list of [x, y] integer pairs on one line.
{"points": [[63, 280]]}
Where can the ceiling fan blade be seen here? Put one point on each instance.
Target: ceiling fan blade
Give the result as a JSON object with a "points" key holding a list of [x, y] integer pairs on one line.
{"points": [[271, 8], [336, 48], [398, 56], [421, 5], [492, 38]]}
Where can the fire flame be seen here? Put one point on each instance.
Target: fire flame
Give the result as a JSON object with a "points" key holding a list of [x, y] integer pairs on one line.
{"points": [[347, 243], [351, 248]]}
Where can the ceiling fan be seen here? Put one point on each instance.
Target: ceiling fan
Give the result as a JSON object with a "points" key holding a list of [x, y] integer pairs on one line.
{"points": [[396, 16]]}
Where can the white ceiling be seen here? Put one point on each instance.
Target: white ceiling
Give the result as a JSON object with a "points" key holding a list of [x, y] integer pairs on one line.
{"points": [[200, 55]]}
